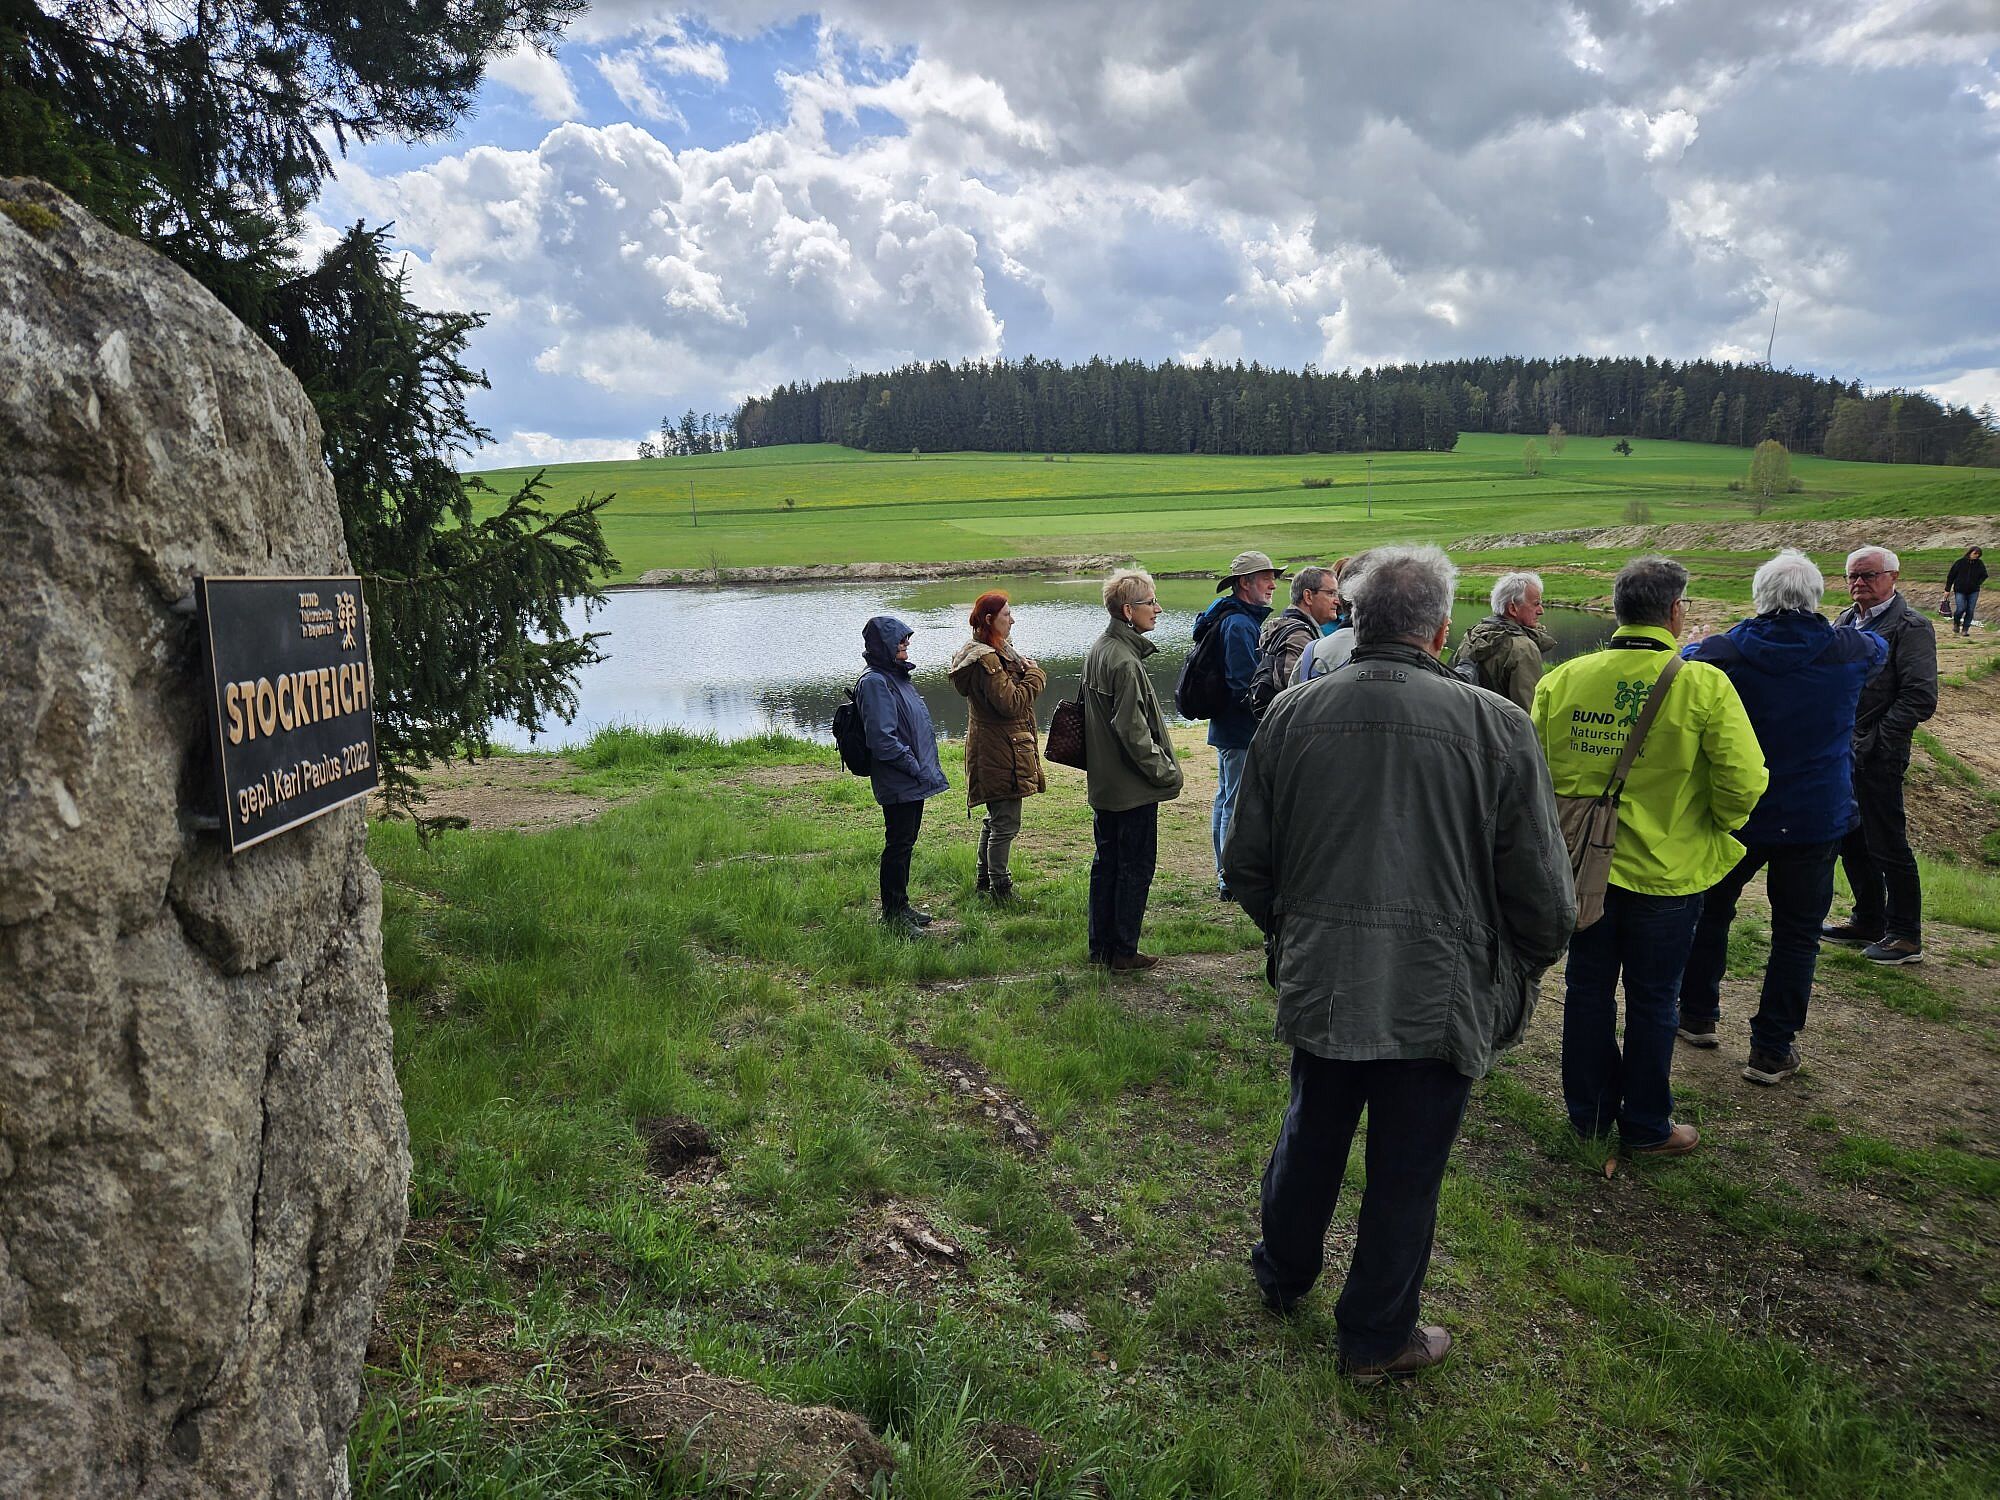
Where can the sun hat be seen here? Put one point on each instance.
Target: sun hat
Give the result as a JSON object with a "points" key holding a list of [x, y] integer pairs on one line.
{"points": [[1246, 563]]}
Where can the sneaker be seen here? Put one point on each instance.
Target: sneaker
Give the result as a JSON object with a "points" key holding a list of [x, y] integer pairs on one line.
{"points": [[1851, 935], [1771, 1067], [903, 924], [1222, 893], [1894, 951], [1128, 963], [921, 918], [1428, 1346], [1697, 1032], [1680, 1140]]}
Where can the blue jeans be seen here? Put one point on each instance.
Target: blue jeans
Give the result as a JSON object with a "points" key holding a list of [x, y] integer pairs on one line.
{"points": [[1647, 938], [1799, 878], [1228, 777], [1414, 1109], [1963, 608]]}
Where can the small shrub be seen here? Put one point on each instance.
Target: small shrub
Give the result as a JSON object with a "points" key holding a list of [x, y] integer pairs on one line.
{"points": [[1795, 487], [1638, 513], [1317, 484], [1736, 486]]}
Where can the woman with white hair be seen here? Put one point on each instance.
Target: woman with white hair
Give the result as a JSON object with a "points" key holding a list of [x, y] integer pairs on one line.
{"points": [[1800, 680]]}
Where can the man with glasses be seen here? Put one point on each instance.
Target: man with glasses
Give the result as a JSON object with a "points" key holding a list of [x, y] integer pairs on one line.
{"points": [[1693, 783], [1315, 601], [1887, 924]]}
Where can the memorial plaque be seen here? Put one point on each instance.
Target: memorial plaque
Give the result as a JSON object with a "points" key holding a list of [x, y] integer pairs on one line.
{"points": [[292, 699]]}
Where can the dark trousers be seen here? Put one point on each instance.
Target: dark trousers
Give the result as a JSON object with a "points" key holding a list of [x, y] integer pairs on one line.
{"points": [[1121, 877], [1799, 878], [900, 822], [1881, 870], [1646, 939], [1414, 1109]]}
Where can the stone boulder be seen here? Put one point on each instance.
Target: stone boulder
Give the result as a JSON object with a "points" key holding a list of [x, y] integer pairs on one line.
{"points": [[203, 1157]]}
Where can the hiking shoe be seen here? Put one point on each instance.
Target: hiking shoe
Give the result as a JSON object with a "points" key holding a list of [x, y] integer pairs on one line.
{"points": [[1771, 1067], [1128, 963], [1850, 935], [903, 924], [1100, 960], [1697, 1032], [1680, 1140], [1894, 951], [921, 918], [1428, 1346]]}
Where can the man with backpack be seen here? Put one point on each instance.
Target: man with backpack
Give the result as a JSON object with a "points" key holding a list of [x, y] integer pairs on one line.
{"points": [[1696, 775], [1287, 634], [1220, 672], [1503, 652]]}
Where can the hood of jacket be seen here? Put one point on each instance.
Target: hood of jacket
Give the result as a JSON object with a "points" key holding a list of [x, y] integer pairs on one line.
{"points": [[1493, 633], [1209, 618], [879, 639], [971, 658]]}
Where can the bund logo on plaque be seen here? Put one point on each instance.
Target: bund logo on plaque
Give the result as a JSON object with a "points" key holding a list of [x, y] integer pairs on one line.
{"points": [[292, 699]]}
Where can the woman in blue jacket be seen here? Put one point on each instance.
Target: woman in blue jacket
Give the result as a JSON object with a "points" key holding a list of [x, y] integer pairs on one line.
{"points": [[903, 747]]}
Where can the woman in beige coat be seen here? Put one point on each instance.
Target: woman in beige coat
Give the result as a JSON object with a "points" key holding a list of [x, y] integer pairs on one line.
{"points": [[1002, 763]]}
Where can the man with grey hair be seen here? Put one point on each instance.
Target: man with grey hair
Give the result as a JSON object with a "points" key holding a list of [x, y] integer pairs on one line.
{"points": [[1800, 680], [1503, 653], [1399, 978], [1287, 634], [1694, 781], [1887, 924]]}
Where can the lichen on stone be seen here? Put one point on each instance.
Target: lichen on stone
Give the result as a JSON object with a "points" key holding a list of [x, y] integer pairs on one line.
{"points": [[32, 217]]}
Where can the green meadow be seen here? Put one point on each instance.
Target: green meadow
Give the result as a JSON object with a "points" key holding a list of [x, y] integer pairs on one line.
{"points": [[1806, 1307], [826, 504]]}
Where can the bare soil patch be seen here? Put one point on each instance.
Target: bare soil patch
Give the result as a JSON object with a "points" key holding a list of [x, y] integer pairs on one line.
{"points": [[961, 1076], [897, 1248], [508, 791], [733, 1431], [674, 1144], [1914, 533]]}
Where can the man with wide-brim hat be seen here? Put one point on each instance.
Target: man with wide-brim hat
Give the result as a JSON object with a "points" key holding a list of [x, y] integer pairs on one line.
{"points": [[1240, 614]]}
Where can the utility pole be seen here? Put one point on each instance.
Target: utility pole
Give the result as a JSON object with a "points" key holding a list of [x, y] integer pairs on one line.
{"points": [[691, 510], [1370, 461]]}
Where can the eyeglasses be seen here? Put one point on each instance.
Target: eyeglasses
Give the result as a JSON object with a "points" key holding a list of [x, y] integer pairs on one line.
{"points": [[1145, 603], [1864, 577]]}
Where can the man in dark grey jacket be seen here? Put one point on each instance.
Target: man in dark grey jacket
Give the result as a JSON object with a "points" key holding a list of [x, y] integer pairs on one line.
{"points": [[1396, 836], [1887, 924]]}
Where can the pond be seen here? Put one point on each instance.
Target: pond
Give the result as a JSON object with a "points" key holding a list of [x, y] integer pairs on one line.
{"points": [[740, 661]]}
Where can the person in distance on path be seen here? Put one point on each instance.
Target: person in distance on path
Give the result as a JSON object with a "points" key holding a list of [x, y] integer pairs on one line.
{"points": [[1887, 924], [1002, 762], [1399, 976], [1697, 776], [904, 749], [1800, 679], [1966, 578], [1129, 770]]}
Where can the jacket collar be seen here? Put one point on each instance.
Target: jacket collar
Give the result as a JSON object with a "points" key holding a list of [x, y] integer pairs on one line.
{"points": [[1121, 631], [1400, 651], [1658, 635]]}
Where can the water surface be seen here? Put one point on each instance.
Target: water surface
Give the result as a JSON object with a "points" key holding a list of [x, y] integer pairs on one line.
{"points": [[734, 661]]}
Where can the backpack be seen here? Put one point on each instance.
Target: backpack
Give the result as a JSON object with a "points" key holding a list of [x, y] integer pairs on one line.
{"points": [[1202, 691], [1465, 669], [850, 735], [1264, 683]]}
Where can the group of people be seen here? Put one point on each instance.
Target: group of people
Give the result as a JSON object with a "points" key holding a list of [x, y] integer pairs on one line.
{"points": [[1395, 827]]}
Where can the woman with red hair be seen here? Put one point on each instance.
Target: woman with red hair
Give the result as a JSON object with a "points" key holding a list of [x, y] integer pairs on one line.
{"points": [[1002, 764]]}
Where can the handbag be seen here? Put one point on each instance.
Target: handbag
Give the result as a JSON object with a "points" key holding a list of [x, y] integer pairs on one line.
{"points": [[1066, 732], [1590, 824]]}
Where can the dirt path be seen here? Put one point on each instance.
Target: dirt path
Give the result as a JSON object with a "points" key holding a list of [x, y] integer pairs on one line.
{"points": [[509, 791]]}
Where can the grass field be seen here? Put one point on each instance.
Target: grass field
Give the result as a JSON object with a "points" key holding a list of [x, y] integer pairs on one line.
{"points": [[1188, 512], [1808, 1306]]}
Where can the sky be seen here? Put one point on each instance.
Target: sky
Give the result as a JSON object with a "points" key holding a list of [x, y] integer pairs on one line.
{"points": [[680, 207]]}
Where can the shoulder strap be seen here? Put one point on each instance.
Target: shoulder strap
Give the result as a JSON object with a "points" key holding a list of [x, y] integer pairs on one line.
{"points": [[1646, 716]]}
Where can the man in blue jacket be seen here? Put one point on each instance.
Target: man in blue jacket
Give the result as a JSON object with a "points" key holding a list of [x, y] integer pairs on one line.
{"points": [[903, 747], [1800, 679], [1250, 582]]}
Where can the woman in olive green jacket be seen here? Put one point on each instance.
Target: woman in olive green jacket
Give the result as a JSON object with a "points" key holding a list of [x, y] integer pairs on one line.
{"points": [[1002, 764], [1130, 769]]}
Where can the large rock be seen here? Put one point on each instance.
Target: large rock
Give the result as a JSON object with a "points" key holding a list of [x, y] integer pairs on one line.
{"points": [[202, 1150]]}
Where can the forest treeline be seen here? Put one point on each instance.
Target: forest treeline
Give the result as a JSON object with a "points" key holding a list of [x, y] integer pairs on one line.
{"points": [[1128, 406]]}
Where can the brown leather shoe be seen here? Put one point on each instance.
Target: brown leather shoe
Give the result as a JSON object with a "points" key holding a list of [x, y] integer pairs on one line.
{"points": [[1680, 1140], [1126, 963], [1428, 1346]]}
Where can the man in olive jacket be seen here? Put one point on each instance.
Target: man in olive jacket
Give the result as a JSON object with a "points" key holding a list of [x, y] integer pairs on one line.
{"points": [[1397, 838], [1508, 646], [1129, 770]]}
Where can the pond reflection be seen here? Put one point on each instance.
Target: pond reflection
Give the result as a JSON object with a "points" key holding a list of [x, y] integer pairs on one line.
{"points": [[733, 661]]}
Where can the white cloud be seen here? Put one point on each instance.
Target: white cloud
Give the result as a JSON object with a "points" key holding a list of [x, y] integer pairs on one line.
{"points": [[540, 79], [527, 449], [626, 73]]}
